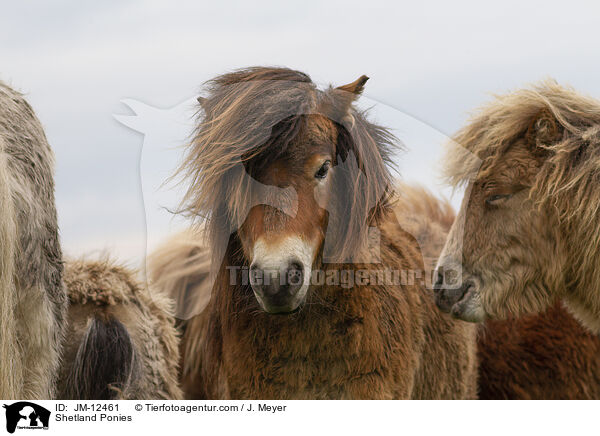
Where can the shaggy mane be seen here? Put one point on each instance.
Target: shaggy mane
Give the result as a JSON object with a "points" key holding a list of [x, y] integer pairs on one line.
{"points": [[554, 111], [250, 117]]}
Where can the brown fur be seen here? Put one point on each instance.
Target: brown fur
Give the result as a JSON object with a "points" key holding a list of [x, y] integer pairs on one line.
{"points": [[194, 340], [372, 341], [540, 149], [547, 356], [121, 341]]}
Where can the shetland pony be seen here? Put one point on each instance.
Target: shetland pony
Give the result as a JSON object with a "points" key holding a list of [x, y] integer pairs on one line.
{"points": [[294, 183], [528, 232]]}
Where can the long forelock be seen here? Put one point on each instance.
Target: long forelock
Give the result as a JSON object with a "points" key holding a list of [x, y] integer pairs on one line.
{"points": [[236, 125]]}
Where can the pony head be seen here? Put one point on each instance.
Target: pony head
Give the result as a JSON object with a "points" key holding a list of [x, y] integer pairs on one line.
{"points": [[528, 226], [279, 169]]}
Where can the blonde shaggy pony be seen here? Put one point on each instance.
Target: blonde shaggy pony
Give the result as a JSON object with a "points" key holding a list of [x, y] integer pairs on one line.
{"points": [[545, 356], [530, 222], [34, 301]]}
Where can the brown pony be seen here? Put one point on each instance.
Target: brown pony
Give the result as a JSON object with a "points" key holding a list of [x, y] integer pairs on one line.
{"points": [[294, 182], [528, 232], [544, 356]]}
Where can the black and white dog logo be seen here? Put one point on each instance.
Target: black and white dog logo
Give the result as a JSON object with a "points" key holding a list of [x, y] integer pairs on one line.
{"points": [[26, 415]]}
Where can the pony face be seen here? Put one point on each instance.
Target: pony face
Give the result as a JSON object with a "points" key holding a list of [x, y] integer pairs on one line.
{"points": [[503, 255], [282, 248], [283, 173]]}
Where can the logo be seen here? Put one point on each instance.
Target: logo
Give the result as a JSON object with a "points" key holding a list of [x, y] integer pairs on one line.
{"points": [[26, 415]]}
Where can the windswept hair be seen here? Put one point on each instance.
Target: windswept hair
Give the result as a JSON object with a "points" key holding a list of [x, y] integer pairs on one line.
{"points": [[563, 128], [252, 116], [561, 123]]}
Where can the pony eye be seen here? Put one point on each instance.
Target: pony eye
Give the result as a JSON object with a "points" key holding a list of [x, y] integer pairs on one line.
{"points": [[497, 199], [322, 172]]}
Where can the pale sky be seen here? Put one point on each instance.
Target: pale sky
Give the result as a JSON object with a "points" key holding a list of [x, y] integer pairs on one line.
{"points": [[430, 63]]}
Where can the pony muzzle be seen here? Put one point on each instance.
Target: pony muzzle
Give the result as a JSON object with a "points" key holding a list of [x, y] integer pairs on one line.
{"points": [[280, 274], [458, 295]]}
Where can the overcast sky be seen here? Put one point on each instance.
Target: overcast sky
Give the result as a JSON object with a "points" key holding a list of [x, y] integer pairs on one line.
{"points": [[429, 63]]}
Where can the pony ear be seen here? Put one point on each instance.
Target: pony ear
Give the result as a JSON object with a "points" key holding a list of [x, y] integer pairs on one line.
{"points": [[544, 129], [355, 87], [347, 94], [338, 106]]}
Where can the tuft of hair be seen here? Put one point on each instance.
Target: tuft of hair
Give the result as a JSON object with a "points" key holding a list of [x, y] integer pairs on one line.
{"points": [[259, 111], [104, 366], [181, 268]]}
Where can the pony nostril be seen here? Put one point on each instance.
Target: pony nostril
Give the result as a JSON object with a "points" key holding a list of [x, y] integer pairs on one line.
{"points": [[447, 278], [295, 274]]}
